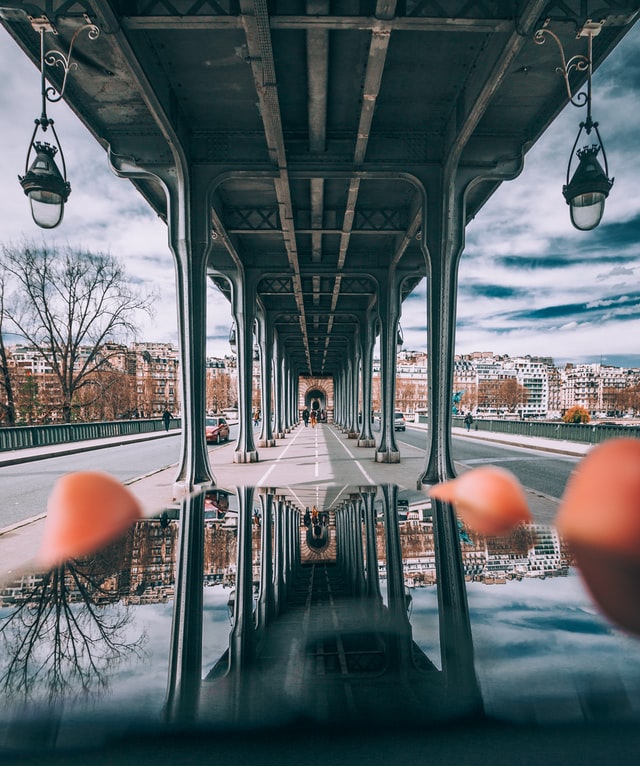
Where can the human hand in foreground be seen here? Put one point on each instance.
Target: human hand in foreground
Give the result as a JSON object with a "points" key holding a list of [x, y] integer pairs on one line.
{"points": [[85, 511], [598, 516]]}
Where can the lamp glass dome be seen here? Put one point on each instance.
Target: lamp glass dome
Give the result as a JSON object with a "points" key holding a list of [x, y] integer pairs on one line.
{"points": [[587, 191], [586, 210], [46, 188]]}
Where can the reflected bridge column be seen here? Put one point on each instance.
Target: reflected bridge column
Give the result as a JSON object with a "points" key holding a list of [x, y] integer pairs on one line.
{"points": [[365, 439], [266, 611], [359, 583], [185, 653], [279, 586], [400, 654], [368, 494], [241, 644]]}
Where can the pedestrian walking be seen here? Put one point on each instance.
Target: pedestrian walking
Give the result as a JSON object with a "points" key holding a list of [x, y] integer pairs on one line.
{"points": [[305, 417], [468, 420], [166, 419]]}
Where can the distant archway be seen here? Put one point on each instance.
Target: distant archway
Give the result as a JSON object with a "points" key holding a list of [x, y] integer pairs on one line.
{"points": [[316, 394], [315, 399]]}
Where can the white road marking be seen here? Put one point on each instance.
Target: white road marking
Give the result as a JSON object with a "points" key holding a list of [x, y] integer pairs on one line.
{"points": [[262, 481], [353, 457]]}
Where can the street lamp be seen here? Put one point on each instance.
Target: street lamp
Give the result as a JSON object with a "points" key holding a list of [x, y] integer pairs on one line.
{"points": [[586, 191], [43, 182]]}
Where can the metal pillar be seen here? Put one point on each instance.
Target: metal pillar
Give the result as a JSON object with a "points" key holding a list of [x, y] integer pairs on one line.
{"points": [[266, 601], [265, 341], [360, 585], [279, 586], [389, 312], [278, 384], [241, 643], [354, 380], [185, 653], [244, 308], [373, 578], [400, 646], [367, 342], [189, 227]]}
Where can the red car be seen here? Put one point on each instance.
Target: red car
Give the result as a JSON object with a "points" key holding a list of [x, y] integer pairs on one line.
{"points": [[216, 430]]}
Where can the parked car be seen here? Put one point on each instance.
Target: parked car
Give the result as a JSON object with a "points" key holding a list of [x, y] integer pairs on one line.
{"points": [[216, 430], [399, 423]]}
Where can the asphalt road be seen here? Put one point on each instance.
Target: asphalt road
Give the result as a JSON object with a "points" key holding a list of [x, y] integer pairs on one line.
{"points": [[543, 472], [24, 488]]}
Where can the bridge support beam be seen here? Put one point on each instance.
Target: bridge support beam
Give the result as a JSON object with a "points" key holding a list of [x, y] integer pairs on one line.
{"points": [[266, 603], [265, 343], [244, 312], [241, 644], [367, 342], [373, 578], [389, 313], [188, 227], [185, 653]]}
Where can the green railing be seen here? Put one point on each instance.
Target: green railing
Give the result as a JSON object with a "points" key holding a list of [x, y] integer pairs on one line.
{"points": [[586, 433], [23, 437]]}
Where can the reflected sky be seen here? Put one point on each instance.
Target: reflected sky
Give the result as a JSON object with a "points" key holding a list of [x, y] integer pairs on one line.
{"points": [[541, 648]]}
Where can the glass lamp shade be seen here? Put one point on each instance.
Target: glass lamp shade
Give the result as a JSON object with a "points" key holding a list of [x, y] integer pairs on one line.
{"points": [[46, 188], [586, 210], [587, 191]]}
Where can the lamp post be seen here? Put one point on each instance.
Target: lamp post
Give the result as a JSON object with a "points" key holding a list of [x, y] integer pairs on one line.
{"points": [[43, 182], [586, 191]]}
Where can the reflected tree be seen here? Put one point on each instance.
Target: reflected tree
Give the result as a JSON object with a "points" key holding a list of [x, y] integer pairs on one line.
{"points": [[67, 633]]}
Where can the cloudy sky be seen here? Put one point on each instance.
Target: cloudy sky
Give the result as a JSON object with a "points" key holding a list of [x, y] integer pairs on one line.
{"points": [[529, 282]]}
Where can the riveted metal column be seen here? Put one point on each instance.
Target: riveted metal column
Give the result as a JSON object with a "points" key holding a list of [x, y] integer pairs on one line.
{"points": [[342, 404], [347, 523], [373, 577], [341, 551], [241, 644], [278, 386], [360, 586], [400, 647], [288, 397], [279, 538], [444, 209], [185, 653], [265, 342], [367, 339], [356, 358], [389, 309], [189, 232], [288, 551], [266, 602], [244, 307]]}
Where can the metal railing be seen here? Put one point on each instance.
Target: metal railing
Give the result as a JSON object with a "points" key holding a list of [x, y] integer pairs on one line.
{"points": [[23, 437], [585, 433]]}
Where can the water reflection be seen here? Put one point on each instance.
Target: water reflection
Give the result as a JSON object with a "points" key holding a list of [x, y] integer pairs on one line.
{"points": [[356, 604], [63, 632]]}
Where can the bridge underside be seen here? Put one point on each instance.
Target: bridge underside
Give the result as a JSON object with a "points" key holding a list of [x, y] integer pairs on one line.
{"points": [[316, 160]]}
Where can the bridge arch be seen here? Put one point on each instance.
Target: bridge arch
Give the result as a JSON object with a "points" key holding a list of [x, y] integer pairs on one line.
{"points": [[317, 394]]}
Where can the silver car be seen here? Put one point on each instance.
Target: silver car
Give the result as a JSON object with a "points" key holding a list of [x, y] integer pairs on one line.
{"points": [[399, 423]]}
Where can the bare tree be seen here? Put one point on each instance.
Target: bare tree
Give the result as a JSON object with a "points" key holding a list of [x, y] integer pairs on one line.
{"points": [[67, 304], [66, 634], [8, 402]]}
